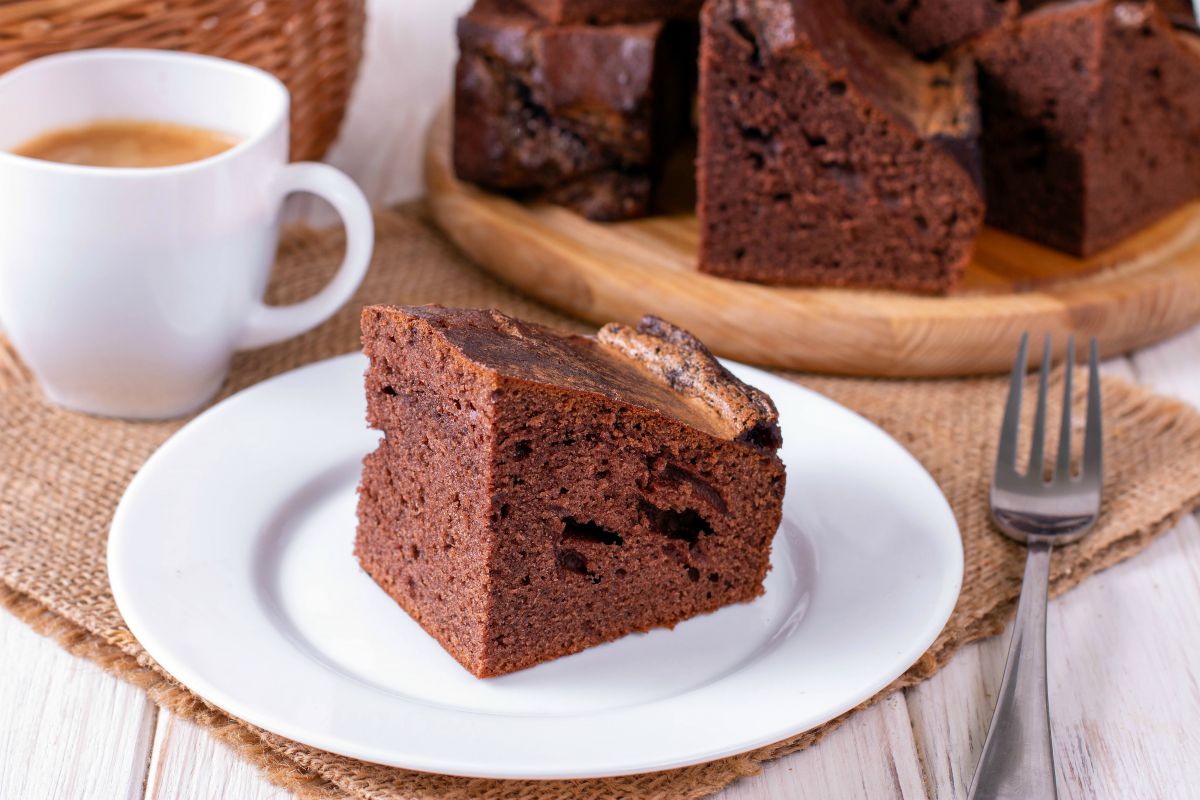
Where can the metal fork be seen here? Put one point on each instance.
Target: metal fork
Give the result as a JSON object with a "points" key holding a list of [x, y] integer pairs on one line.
{"points": [[1018, 754]]}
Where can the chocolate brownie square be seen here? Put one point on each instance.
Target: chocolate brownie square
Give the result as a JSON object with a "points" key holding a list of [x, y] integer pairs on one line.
{"points": [[576, 114], [829, 154], [537, 493], [1091, 122]]}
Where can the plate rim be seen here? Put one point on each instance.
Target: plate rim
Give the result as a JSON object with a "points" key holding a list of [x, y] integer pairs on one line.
{"points": [[211, 692]]}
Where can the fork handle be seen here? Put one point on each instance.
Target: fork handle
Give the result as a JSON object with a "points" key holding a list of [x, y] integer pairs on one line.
{"points": [[1018, 756]]}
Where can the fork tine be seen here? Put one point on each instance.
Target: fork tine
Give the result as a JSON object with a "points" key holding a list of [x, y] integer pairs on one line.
{"points": [[1093, 441], [1037, 449], [1062, 469], [1006, 453]]}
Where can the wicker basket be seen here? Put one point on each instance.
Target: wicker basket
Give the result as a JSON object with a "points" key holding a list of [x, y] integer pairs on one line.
{"points": [[313, 46]]}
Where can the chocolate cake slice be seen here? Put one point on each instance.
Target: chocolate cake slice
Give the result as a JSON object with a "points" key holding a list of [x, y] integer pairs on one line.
{"points": [[931, 27], [829, 155], [1092, 122], [537, 493], [607, 12], [576, 114]]}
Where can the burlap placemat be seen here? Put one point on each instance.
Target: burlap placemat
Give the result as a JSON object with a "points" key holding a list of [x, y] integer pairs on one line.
{"points": [[61, 475]]}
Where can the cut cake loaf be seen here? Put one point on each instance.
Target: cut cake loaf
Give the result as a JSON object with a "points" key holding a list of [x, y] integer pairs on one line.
{"points": [[537, 493], [1091, 122], [830, 155]]}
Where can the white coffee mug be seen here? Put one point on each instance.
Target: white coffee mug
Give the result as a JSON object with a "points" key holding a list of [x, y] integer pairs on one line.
{"points": [[127, 291]]}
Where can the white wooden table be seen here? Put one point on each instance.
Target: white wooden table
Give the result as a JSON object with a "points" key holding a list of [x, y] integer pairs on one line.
{"points": [[1124, 646]]}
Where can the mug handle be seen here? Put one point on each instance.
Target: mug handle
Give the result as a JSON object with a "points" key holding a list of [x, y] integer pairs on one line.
{"points": [[271, 324]]}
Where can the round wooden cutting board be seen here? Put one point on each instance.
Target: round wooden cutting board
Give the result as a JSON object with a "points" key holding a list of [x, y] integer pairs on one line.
{"points": [[1141, 291]]}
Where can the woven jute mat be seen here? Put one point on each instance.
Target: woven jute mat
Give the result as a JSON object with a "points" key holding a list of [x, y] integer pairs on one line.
{"points": [[61, 475]]}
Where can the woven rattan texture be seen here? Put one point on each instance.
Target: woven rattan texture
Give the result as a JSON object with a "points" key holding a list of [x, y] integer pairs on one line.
{"points": [[61, 475], [313, 46]]}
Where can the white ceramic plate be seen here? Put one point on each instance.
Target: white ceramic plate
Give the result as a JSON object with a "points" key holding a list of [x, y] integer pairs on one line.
{"points": [[230, 559]]}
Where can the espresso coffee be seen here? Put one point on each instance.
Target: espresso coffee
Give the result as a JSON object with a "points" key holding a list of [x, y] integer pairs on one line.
{"points": [[127, 143]]}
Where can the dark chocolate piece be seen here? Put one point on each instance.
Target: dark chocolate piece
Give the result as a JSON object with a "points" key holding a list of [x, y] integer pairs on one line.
{"points": [[829, 155], [537, 493], [1091, 122], [574, 114]]}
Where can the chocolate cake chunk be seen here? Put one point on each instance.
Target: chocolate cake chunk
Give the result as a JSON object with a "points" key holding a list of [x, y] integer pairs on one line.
{"points": [[1092, 122], [930, 27], [829, 155], [575, 114], [607, 12], [537, 493]]}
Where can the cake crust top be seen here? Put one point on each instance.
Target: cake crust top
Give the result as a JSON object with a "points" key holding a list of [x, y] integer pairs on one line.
{"points": [[576, 66], [682, 361], [656, 366], [933, 98]]}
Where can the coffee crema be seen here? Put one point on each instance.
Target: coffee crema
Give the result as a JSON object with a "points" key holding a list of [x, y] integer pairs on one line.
{"points": [[127, 143]]}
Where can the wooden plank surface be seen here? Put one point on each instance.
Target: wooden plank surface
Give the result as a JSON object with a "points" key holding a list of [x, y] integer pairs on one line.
{"points": [[1124, 653], [873, 757], [68, 729], [187, 762]]}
